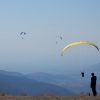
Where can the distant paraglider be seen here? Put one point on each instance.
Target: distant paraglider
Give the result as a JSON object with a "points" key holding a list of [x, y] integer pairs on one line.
{"points": [[23, 34], [59, 37]]}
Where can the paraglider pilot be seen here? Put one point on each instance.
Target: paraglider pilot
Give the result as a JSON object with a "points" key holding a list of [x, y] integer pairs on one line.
{"points": [[82, 74]]}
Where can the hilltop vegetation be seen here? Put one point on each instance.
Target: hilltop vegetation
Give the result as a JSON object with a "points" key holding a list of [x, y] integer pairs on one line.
{"points": [[50, 97]]}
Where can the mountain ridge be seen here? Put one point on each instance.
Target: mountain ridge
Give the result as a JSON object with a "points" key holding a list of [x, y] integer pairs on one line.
{"points": [[15, 85]]}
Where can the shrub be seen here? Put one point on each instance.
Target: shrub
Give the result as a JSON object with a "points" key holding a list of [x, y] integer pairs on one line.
{"points": [[2, 94], [23, 94]]}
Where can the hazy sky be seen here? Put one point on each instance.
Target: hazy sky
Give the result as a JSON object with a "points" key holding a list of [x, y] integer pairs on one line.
{"points": [[42, 20]]}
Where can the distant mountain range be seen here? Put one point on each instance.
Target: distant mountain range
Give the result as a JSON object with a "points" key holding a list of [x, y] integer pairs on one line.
{"points": [[16, 83], [74, 81], [39, 83], [95, 69]]}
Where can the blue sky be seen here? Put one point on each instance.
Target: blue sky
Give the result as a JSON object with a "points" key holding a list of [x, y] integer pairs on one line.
{"points": [[42, 20]]}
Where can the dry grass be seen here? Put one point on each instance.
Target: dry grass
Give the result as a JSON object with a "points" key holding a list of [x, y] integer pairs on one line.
{"points": [[50, 97]]}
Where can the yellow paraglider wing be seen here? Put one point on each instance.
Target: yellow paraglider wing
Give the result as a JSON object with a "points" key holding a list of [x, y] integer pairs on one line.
{"points": [[76, 43]]}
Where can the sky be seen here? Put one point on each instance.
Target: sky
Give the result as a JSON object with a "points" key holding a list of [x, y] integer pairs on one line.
{"points": [[42, 20]]}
